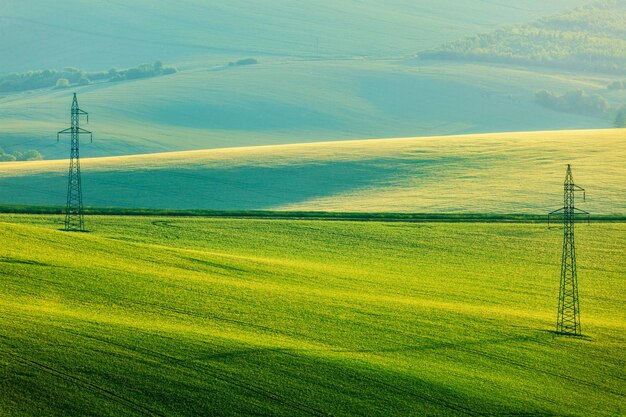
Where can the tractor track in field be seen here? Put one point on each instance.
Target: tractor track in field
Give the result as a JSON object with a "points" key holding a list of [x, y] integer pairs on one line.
{"points": [[504, 359], [552, 374], [165, 223], [214, 372], [140, 408], [225, 320], [518, 364], [400, 390], [268, 394], [527, 392]]}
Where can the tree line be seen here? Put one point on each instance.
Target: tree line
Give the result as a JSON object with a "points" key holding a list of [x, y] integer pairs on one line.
{"points": [[69, 76], [617, 85], [580, 102], [29, 155], [590, 38]]}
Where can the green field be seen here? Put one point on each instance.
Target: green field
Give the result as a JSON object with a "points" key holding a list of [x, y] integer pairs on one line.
{"points": [[180, 316], [311, 208], [282, 101], [500, 173]]}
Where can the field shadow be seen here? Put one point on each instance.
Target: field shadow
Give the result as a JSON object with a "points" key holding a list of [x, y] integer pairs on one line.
{"points": [[436, 345], [240, 188], [556, 334], [8, 260]]}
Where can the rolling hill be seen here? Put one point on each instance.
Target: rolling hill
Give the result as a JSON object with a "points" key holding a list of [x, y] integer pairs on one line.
{"points": [[326, 71], [266, 110], [278, 102], [490, 173], [158, 316], [102, 34]]}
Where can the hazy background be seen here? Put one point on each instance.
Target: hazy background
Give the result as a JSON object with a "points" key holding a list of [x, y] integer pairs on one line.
{"points": [[326, 71]]}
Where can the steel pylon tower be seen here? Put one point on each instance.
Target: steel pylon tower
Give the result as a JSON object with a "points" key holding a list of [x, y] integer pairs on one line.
{"points": [[74, 220], [568, 316]]}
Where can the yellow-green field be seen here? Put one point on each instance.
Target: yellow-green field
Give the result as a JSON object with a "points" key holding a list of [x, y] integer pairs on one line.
{"points": [[164, 316], [486, 173]]}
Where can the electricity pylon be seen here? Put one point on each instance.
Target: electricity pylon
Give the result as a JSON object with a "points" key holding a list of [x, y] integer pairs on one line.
{"points": [[568, 316], [74, 209]]}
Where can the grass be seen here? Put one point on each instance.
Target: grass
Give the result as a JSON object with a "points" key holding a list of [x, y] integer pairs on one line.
{"points": [[314, 215], [193, 316], [362, 83], [108, 33], [284, 101], [501, 174]]}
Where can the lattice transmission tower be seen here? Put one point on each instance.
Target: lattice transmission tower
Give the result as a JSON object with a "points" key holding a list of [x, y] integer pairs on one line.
{"points": [[568, 316], [74, 219]]}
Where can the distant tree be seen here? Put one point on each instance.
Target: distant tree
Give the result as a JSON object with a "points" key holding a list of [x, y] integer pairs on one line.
{"points": [[61, 79], [620, 117], [141, 71], [6, 157], [546, 98], [62, 83], [72, 74], [247, 61], [99, 75], [617, 85], [31, 155], [583, 103], [577, 102], [133, 74]]}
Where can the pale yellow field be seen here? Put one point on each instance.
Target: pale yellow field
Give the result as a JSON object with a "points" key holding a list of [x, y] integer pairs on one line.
{"points": [[496, 173]]}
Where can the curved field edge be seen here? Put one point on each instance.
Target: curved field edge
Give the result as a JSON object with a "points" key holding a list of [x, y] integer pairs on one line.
{"points": [[487, 173], [194, 316]]}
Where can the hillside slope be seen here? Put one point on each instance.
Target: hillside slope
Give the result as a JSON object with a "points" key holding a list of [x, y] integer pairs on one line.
{"points": [[496, 173], [327, 71], [102, 34], [284, 101], [213, 317]]}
